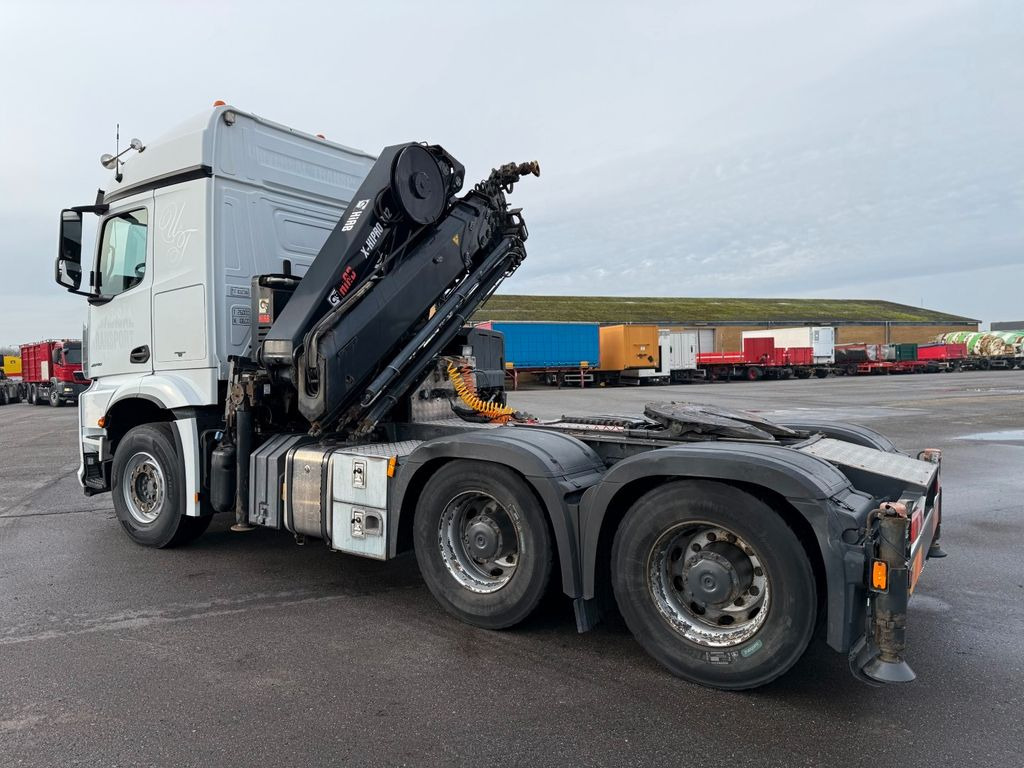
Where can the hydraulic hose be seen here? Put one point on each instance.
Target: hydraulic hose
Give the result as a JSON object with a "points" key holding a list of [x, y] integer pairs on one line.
{"points": [[493, 411]]}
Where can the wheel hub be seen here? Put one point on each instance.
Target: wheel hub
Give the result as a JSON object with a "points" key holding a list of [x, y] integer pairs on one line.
{"points": [[483, 538], [480, 541], [708, 584], [143, 488], [718, 575]]}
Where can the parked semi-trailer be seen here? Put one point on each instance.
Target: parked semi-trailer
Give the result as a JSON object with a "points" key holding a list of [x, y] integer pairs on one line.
{"points": [[51, 372], [821, 340], [342, 406], [989, 349], [630, 354], [557, 353]]}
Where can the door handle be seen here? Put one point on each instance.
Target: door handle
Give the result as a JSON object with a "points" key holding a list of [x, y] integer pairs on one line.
{"points": [[140, 354]]}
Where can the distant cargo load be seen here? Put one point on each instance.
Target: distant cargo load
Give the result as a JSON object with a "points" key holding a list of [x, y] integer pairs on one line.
{"points": [[861, 353], [549, 345], [939, 351], [629, 347], [821, 340], [987, 344], [12, 365]]}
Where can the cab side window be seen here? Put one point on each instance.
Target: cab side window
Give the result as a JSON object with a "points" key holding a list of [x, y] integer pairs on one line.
{"points": [[122, 258]]}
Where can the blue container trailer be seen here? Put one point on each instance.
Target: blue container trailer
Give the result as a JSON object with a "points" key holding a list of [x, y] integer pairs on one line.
{"points": [[550, 345]]}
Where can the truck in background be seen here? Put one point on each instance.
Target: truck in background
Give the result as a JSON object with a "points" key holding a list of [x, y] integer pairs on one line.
{"points": [[10, 390], [51, 372], [12, 365]]}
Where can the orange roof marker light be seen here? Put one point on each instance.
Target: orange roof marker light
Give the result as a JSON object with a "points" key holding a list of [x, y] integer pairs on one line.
{"points": [[220, 103]]}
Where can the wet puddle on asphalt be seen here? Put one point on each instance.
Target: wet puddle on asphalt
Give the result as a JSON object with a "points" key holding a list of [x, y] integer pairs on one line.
{"points": [[1001, 436]]}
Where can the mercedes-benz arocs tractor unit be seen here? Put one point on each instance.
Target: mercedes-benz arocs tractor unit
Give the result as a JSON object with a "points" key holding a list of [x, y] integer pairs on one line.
{"points": [[276, 330]]}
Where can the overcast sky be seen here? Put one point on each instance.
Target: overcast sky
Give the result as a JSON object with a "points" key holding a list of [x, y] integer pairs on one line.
{"points": [[783, 149]]}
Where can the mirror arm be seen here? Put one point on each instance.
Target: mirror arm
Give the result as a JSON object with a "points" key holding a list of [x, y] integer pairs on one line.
{"points": [[99, 209]]}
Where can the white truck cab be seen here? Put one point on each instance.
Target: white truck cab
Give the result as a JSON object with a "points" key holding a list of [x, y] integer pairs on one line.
{"points": [[185, 223]]}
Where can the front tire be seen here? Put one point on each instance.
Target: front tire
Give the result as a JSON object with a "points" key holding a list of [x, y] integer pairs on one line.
{"points": [[713, 584], [482, 543], [54, 396], [148, 487]]}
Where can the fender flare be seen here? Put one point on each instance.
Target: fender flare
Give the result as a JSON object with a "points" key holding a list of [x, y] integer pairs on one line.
{"points": [[806, 482], [843, 430], [556, 466], [179, 397]]}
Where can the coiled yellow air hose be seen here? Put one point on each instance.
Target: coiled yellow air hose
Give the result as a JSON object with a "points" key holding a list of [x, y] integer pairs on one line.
{"points": [[493, 411]]}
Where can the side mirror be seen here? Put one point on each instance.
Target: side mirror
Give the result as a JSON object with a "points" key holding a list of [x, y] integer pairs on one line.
{"points": [[68, 269]]}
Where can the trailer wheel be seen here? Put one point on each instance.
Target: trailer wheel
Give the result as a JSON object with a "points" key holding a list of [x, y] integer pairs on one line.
{"points": [[754, 373], [482, 543], [5, 399], [713, 584], [148, 482]]}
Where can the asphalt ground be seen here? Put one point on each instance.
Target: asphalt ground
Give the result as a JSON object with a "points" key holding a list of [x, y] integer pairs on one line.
{"points": [[248, 649]]}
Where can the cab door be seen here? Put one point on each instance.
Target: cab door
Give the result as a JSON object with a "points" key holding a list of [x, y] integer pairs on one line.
{"points": [[120, 316]]}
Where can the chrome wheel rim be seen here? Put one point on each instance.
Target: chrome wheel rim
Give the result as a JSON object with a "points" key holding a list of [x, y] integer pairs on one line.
{"points": [[143, 488], [709, 585], [481, 541]]}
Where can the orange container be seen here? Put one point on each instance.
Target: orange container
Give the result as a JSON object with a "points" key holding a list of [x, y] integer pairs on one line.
{"points": [[628, 347]]}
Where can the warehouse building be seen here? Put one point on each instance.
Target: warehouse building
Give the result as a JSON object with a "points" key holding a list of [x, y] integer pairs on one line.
{"points": [[724, 320]]}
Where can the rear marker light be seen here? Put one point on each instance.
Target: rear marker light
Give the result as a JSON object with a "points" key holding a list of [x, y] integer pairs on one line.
{"points": [[879, 576]]}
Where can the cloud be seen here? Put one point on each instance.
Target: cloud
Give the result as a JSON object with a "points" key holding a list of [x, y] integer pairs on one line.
{"points": [[793, 148]]}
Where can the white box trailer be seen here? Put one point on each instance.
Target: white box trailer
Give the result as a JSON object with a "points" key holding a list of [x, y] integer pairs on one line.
{"points": [[821, 339]]}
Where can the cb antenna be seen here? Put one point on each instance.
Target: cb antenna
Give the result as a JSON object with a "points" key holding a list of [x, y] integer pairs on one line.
{"points": [[114, 162]]}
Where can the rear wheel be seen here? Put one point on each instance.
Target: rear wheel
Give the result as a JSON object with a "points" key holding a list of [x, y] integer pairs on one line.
{"points": [[148, 489], [754, 373], [482, 543], [713, 584]]}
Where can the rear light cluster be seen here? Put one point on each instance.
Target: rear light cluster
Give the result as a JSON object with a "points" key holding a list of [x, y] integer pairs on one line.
{"points": [[915, 523]]}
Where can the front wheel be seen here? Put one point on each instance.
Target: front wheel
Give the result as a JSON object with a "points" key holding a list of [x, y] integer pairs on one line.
{"points": [[54, 396], [482, 543], [148, 487], [713, 584]]}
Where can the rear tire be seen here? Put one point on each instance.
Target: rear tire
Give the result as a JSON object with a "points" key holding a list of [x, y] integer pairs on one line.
{"points": [[677, 577], [482, 543], [148, 486]]}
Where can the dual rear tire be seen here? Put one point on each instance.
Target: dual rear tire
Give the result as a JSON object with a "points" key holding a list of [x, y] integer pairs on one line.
{"points": [[713, 584], [710, 580], [482, 543]]}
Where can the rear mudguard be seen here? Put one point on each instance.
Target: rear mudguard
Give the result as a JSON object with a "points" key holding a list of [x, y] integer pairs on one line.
{"points": [[816, 490], [558, 467], [842, 430]]}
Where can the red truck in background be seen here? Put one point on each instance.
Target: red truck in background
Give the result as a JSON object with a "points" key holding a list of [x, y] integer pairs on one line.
{"points": [[51, 372]]}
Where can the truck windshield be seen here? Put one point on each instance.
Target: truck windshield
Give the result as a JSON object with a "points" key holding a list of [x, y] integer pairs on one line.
{"points": [[123, 252], [72, 355]]}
